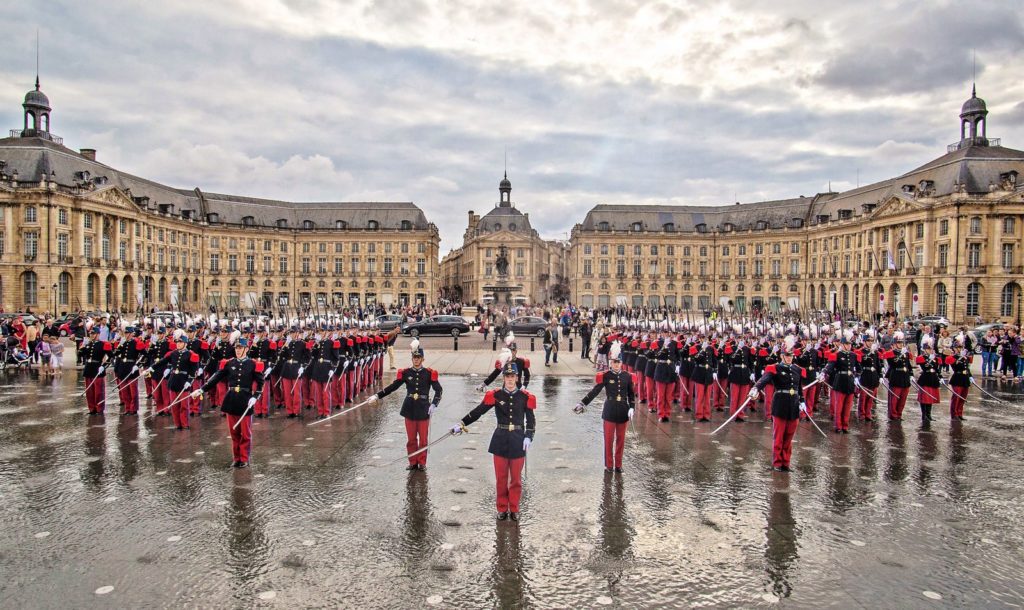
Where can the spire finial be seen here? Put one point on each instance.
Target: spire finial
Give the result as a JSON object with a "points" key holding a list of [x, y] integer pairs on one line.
{"points": [[37, 59], [974, 90]]}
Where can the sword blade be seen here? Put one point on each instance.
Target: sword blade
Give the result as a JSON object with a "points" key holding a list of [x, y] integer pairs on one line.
{"points": [[421, 450], [340, 413], [733, 416]]}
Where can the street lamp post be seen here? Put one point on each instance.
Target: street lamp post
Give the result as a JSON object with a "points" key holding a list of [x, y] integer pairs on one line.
{"points": [[54, 302], [1018, 306]]}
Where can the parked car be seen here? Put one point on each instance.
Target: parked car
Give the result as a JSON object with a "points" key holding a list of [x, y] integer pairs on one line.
{"points": [[27, 318], [933, 320], [437, 325], [528, 325], [389, 321], [979, 331]]}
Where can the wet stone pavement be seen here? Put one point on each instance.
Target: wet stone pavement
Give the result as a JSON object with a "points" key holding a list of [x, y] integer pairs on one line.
{"points": [[110, 512]]}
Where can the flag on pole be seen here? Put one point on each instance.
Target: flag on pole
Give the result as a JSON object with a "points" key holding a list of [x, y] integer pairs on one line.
{"points": [[890, 262], [915, 308], [881, 302]]}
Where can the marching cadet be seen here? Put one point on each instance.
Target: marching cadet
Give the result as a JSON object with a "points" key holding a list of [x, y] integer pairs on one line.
{"points": [[127, 355], [843, 368], [619, 404], [94, 358], [295, 358], [664, 373], [809, 359], [198, 346], [701, 377], [182, 364], [244, 380], [959, 381], [262, 350], [870, 376], [685, 373], [417, 406], [787, 403], [898, 374], [928, 380], [741, 375], [639, 366], [321, 370], [513, 408], [522, 365], [721, 373]]}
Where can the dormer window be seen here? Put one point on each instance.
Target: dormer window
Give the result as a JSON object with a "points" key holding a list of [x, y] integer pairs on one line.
{"points": [[406, 225], [760, 225], [845, 214], [868, 207], [373, 225], [603, 226], [512, 226], [497, 226], [669, 227], [187, 214], [701, 228], [248, 221], [822, 218], [637, 226], [796, 223], [909, 189], [925, 185], [727, 227], [166, 208], [340, 224], [213, 218], [282, 223], [308, 225]]}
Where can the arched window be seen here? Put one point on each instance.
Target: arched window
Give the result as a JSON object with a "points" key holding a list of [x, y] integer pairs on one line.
{"points": [[213, 218], [248, 221], [512, 226], [339, 224], [669, 227], [63, 288], [1009, 294], [282, 223], [760, 225], [373, 225], [637, 226], [497, 226], [603, 226], [308, 225], [845, 292], [30, 283], [973, 299], [406, 225]]}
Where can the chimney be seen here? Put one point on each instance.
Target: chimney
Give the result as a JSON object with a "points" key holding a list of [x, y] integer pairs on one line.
{"points": [[88, 153]]}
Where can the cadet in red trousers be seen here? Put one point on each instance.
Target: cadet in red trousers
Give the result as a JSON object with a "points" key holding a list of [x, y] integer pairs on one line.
{"points": [[843, 369], [898, 374], [620, 400], [417, 406], [928, 380], [181, 364], [94, 357], [959, 382], [787, 403], [243, 379], [513, 408]]}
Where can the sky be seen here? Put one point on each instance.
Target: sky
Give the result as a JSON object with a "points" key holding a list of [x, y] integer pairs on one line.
{"points": [[688, 102]]}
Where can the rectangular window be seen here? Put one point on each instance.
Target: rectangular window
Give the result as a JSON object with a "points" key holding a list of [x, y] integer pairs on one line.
{"points": [[159, 256], [885, 236], [62, 245], [725, 250], [214, 261], [354, 264], [777, 266], [284, 247], [1008, 225], [30, 214], [758, 249], [919, 230], [621, 250], [942, 256], [973, 256], [160, 235], [725, 268], [620, 268], [282, 265], [520, 269], [944, 227], [918, 257], [339, 266], [758, 267], [268, 265], [421, 266], [637, 268], [305, 248], [604, 249], [87, 220], [670, 268], [587, 249], [232, 263], [794, 267], [266, 245], [250, 263], [703, 250], [305, 265], [87, 246], [1007, 256], [636, 250], [975, 225], [62, 216], [388, 265], [321, 264], [322, 248], [703, 267]]}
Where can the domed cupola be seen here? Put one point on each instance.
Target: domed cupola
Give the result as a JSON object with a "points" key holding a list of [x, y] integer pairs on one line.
{"points": [[973, 122]]}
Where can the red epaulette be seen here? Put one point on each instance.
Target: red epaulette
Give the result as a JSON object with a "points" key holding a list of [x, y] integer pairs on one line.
{"points": [[433, 374], [599, 379], [399, 374], [526, 363], [489, 398], [223, 363], [194, 357], [770, 369], [531, 400], [259, 367], [336, 344], [920, 360]]}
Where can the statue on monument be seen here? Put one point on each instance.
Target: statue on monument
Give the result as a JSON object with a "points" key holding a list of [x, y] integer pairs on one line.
{"points": [[501, 263]]}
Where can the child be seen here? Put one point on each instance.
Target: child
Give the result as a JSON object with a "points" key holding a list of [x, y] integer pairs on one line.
{"points": [[56, 357], [43, 352]]}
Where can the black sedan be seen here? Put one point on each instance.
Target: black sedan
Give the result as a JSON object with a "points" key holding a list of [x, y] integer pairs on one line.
{"points": [[437, 325], [528, 325]]}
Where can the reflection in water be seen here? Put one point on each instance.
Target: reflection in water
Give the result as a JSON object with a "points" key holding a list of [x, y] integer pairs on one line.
{"points": [[896, 469], [781, 548], [957, 444], [416, 521], [840, 492], [507, 571], [927, 450], [127, 440], [247, 544], [95, 449], [616, 531]]}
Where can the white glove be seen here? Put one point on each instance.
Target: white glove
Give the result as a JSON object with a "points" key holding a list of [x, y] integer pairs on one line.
{"points": [[704, 345], [821, 376], [752, 378], [374, 399], [301, 368], [526, 443], [752, 393], [856, 381], [135, 369], [677, 369], [481, 388], [100, 370], [904, 351], [579, 408], [266, 374], [432, 408], [196, 394], [714, 376], [167, 372], [457, 429], [252, 402], [803, 407], [630, 414]]}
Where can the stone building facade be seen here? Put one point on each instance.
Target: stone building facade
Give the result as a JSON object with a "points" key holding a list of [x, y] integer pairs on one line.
{"points": [[536, 267], [943, 239], [78, 234]]}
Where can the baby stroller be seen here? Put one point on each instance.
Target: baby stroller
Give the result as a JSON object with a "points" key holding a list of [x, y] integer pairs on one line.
{"points": [[13, 355]]}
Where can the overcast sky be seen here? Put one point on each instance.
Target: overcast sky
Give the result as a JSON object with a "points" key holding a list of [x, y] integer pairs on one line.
{"points": [[698, 102]]}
